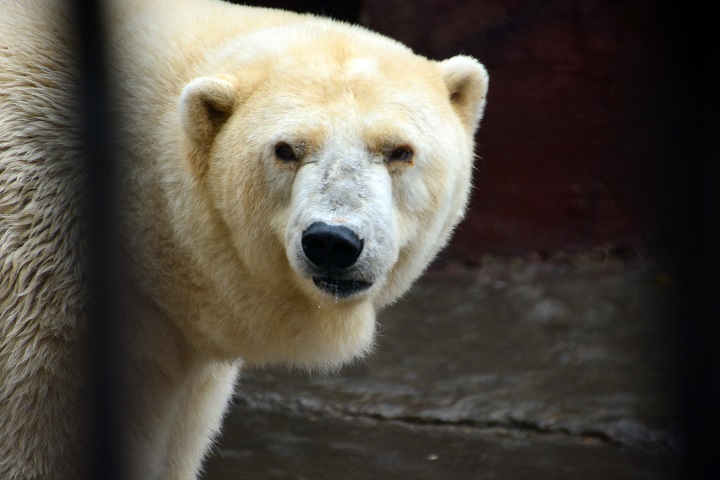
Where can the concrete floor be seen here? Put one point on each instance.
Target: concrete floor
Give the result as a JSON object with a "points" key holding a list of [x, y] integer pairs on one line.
{"points": [[512, 371]]}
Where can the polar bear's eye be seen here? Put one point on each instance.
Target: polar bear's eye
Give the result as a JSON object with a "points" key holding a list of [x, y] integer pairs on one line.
{"points": [[285, 152], [401, 154]]}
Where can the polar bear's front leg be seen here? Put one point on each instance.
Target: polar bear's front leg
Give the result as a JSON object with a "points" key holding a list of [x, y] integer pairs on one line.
{"points": [[175, 396], [205, 400]]}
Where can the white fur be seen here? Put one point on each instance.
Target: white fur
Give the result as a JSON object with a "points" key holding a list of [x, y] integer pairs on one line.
{"points": [[214, 273]]}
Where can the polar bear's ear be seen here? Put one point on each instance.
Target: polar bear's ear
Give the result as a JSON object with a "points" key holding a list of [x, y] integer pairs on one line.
{"points": [[205, 105], [467, 83]]}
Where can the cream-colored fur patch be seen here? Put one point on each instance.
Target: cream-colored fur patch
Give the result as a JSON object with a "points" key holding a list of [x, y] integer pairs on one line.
{"points": [[363, 66]]}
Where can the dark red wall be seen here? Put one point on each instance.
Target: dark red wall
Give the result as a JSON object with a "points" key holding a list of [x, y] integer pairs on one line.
{"points": [[566, 162], [566, 145]]}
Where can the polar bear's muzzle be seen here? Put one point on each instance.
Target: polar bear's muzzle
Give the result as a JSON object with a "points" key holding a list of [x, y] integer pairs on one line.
{"points": [[339, 232], [332, 250]]}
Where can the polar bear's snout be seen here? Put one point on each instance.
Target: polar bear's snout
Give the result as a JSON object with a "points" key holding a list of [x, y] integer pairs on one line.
{"points": [[332, 249]]}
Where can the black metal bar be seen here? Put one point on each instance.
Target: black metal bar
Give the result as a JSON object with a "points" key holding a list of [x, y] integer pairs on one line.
{"points": [[687, 91], [104, 446]]}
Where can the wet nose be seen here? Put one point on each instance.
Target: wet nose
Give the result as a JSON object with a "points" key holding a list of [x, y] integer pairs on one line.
{"points": [[331, 246]]}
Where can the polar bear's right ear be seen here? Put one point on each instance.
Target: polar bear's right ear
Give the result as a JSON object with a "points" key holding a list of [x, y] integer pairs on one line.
{"points": [[205, 105], [467, 82]]}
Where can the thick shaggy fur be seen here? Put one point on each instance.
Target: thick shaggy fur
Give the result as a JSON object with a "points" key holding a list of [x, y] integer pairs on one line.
{"points": [[212, 216]]}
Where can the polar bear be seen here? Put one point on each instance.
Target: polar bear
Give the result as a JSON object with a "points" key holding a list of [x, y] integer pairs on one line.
{"points": [[283, 178]]}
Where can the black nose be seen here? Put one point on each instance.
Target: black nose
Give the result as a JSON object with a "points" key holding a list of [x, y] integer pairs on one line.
{"points": [[331, 246]]}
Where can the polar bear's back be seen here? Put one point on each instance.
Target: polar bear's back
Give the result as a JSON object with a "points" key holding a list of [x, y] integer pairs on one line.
{"points": [[41, 260]]}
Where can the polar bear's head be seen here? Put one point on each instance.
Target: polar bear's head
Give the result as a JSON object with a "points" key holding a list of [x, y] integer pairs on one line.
{"points": [[338, 168]]}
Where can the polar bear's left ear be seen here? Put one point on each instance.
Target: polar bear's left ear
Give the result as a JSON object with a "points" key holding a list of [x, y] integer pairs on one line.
{"points": [[205, 105], [467, 83]]}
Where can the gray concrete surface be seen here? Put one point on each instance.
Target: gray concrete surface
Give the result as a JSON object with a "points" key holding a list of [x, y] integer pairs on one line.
{"points": [[501, 372]]}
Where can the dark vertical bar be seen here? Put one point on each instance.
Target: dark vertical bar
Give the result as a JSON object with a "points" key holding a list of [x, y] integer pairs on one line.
{"points": [[104, 458], [687, 76]]}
